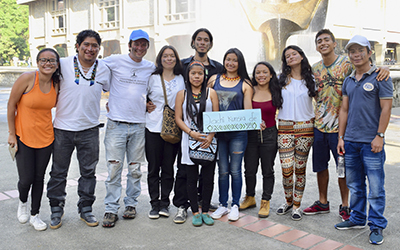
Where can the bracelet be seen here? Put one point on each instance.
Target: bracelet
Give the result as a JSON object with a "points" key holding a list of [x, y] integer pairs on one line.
{"points": [[190, 132], [340, 136]]}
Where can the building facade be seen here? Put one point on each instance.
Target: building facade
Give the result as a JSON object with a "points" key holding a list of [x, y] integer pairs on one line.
{"points": [[55, 24]]}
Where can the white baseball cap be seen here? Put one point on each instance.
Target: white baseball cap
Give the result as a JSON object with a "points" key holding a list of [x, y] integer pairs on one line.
{"points": [[360, 40]]}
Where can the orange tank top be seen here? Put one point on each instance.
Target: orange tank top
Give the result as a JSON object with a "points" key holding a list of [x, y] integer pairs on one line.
{"points": [[33, 122]]}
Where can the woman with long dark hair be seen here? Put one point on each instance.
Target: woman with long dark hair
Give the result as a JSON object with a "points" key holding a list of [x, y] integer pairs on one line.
{"points": [[160, 154], [30, 125], [296, 126], [262, 145], [234, 93], [189, 108]]}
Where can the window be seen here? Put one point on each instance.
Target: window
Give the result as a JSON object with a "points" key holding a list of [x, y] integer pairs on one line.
{"points": [[111, 47], [62, 49], [180, 10], [58, 15], [109, 14]]}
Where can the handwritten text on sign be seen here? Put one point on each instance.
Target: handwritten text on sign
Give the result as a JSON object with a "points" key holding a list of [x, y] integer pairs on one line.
{"points": [[234, 120]]}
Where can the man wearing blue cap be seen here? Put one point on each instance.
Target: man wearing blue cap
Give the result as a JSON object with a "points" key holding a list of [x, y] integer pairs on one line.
{"points": [[126, 125], [363, 119]]}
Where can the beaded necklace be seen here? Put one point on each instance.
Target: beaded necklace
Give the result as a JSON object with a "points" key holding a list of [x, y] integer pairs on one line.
{"points": [[196, 97], [231, 79], [78, 72]]}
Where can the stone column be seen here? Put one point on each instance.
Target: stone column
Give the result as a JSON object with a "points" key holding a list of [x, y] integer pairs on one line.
{"points": [[397, 58], [380, 53]]}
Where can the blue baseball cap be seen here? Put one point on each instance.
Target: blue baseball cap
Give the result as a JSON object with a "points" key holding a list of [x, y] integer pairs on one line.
{"points": [[139, 34]]}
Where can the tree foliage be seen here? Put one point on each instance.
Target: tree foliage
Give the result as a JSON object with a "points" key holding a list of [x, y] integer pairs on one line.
{"points": [[14, 30]]}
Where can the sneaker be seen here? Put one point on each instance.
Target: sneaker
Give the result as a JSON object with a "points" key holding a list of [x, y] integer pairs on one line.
{"points": [[344, 212], [211, 208], [264, 209], [317, 208], [57, 212], [22, 212], [207, 219], [164, 212], [347, 224], [181, 215], [284, 209], [109, 220], [129, 213], [248, 202], [297, 214], [221, 211], [234, 214], [88, 217], [376, 237], [197, 220], [37, 223], [154, 213]]}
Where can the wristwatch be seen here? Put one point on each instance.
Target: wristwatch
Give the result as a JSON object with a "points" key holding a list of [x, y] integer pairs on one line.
{"points": [[382, 135]]}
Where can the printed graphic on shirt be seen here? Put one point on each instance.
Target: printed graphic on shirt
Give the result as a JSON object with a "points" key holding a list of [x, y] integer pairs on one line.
{"points": [[368, 86], [329, 82], [225, 99]]}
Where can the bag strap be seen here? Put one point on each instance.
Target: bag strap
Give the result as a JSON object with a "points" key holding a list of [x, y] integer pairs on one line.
{"points": [[163, 87]]}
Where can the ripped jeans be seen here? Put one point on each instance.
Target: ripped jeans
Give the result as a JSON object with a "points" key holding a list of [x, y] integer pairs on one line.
{"points": [[123, 138], [231, 147]]}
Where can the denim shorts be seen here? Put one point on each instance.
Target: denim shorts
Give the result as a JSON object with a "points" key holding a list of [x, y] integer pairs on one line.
{"points": [[324, 143]]}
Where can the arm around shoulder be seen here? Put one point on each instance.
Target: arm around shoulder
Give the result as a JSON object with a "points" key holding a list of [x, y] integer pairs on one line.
{"points": [[248, 95], [214, 100], [211, 81]]}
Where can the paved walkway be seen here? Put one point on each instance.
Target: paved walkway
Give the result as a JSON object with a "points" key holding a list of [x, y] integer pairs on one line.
{"points": [[249, 232]]}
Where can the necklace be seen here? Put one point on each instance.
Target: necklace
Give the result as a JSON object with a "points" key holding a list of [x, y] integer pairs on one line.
{"points": [[231, 79], [79, 73], [196, 96]]}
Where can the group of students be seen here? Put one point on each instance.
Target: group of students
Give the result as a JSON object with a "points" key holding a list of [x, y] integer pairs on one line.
{"points": [[192, 86]]}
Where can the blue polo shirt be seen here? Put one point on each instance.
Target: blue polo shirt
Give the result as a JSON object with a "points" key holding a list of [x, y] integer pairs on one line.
{"points": [[364, 105]]}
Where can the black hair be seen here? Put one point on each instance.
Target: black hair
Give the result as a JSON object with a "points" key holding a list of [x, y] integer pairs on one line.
{"points": [[57, 74], [242, 72], [306, 72], [159, 68], [87, 33], [191, 108], [273, 84], [194, 36], [325, 31]]}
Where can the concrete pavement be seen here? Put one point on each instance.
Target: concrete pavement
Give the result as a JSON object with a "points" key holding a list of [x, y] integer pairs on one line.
{"points": [[276, 232]]}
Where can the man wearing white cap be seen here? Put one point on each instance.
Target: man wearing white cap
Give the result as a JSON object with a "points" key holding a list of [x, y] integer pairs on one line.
{"points": [[126, 125], [363, 119]]}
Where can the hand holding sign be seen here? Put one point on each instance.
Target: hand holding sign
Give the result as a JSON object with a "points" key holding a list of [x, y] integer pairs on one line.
{"points": [[234, 120]]}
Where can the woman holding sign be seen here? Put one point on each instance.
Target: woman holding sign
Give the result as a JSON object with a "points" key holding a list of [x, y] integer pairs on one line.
{"points": [[296, 124], [262, 144], [189, 107], [234, 93]]}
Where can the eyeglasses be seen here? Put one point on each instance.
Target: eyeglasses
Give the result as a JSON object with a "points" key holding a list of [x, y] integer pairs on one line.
{"points": [[43, 61]]}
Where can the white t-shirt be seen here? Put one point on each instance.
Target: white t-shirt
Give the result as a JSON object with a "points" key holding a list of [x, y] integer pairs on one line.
{"points": [[78, 105], [156, 94], [128, 88], [297, 105]]}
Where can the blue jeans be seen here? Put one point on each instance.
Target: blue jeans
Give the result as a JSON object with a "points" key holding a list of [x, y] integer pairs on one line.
{"points": [[86, 143], [361, 162], [231, 147], [123, 138]]}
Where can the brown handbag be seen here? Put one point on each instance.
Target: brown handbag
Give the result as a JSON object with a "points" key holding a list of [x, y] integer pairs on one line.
{"points": [[170, 132]]}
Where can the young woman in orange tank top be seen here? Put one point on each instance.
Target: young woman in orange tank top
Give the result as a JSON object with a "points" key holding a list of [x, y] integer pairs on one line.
{"points": [[30, 126]]}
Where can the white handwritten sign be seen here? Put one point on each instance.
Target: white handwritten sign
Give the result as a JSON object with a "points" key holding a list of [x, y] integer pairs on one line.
{"points": [[234, 120]]}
